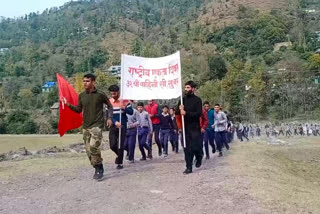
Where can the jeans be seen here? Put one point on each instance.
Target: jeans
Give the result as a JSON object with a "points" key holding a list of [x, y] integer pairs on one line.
{"points": [[156, 130], [174, 140], [229, 136], [220, 138], [209, 139], [164, 138], [130, 142], [142, 138]]}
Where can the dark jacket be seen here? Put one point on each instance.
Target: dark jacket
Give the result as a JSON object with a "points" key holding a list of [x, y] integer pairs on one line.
{"points": [[193, 107], [174, 121], [91, 106], [166, 122]]}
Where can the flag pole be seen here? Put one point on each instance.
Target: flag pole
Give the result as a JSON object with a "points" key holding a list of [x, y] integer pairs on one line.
{"points": [[119, 143], [181, 100]]}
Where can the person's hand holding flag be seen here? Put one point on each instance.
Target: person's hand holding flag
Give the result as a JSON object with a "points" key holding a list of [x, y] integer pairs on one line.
{"points": [[68, 119]]}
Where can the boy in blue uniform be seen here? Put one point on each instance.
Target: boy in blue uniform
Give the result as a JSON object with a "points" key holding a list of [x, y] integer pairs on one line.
{"points": [[166, 125], [144, 129], [131, 135]]}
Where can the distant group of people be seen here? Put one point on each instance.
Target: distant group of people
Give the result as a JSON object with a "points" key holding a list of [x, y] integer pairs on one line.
{"points": [[290, 130], [128, 121], [244, 132]]}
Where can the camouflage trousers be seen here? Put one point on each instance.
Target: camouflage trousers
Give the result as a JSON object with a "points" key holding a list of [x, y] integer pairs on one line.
{"points": [[92, 139]]}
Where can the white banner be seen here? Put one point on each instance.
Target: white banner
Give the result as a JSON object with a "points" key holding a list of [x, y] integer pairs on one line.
{"points": [[150, 78]]}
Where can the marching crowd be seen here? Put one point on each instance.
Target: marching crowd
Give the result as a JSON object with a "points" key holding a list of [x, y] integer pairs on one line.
{"points": [[129, 122], [288, 130]]}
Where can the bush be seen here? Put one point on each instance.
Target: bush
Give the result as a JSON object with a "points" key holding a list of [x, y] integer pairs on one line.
{"points": [[19, 122], [18, 117], [3, 127], [29, 127], [54, 123]]}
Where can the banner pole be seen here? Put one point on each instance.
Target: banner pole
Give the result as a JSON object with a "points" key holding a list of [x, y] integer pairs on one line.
{"points": [[183, 128], [119, 143], [181, 101]]}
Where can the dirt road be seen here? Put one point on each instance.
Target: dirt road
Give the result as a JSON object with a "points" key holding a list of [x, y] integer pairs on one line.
{"points": [[156, 186]]}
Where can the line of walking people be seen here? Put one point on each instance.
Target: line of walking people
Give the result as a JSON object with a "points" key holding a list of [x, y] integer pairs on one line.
{"points": [[128, 121], [166, 127], [288, 130], [292, 129]]}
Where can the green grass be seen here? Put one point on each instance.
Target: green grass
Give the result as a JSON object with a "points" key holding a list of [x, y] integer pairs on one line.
{"points": [[13, 169], [36, 142], [36, 165], [286, 178]]}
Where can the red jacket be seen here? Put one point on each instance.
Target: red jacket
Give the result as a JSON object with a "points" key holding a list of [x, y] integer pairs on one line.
{"points": [[153, 110], [179, 121], [204, 122]]}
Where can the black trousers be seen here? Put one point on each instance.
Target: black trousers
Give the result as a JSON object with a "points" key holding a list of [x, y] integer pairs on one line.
{"points": [[240, 135], [114, 142], [193, 147], [220, 138]]}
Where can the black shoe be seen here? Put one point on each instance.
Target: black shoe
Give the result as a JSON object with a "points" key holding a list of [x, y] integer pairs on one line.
{"points": [[220, 154], [160, 153], [95, 176], [213, 150], [120, 166], [207, 157], [187, 171], [143, 159], [198, 163], [149, 154], [98, 175]]}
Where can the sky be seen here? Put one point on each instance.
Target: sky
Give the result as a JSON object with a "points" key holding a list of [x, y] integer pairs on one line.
{"points": [[17, 8]]}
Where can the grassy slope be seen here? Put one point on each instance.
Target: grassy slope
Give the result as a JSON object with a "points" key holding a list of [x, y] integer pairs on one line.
{"points": [[224, 13], [285, 178]]}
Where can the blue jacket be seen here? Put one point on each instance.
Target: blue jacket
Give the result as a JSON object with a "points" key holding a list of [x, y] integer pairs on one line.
{"points": [[117, 111], [210, 114]]}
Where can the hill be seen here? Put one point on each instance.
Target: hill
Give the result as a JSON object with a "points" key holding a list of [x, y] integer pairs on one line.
{"points": [[225, 12], [225, 46]]}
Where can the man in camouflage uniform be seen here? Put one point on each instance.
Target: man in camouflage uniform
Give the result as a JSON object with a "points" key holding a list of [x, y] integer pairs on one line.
{"points": [[90, 103]]}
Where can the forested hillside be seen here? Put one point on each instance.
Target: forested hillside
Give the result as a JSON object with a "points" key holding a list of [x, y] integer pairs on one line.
{"points": [[230, 48]]}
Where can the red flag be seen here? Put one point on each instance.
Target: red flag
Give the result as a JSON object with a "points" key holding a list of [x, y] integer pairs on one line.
{"points": [[68, 119]]}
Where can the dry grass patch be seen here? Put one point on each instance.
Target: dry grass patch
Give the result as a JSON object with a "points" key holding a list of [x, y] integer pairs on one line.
{"points": [[285, 178], [36, 142], [13, 169]]}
